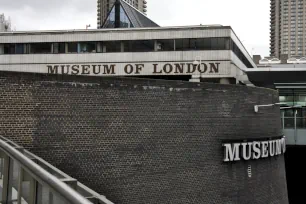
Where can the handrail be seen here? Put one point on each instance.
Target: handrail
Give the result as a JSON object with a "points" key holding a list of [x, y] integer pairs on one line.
{"points": [[54, 183]]}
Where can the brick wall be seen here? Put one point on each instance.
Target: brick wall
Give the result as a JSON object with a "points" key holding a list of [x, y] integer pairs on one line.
{"points": [[146, 141]]}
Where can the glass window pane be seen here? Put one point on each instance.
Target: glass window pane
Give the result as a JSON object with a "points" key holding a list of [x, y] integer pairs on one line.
{"points": [[19, 48], [227, 43], [301, 122], [59, 48], [289, 123], [110, 21], [165, 45], [124, 20], [9, 49], [207, 44], [87, 47], [220, 44], [287, 99], [41, 48], [112, 46], [73, 47], [139, 46], [182, 44]]}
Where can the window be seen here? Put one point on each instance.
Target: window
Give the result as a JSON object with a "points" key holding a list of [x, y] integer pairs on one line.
{"points": [[202, 44], [139, 46], [59, 48], [9, 49], [73, 47], [165, 45], [110, 21], [219, 44], [87, 47], [112, 46], [124, 20], [182, 44], [20, 49], [40, 48]]}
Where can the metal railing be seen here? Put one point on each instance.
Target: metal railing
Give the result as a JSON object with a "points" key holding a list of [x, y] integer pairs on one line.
{"points": [[28, 179]]}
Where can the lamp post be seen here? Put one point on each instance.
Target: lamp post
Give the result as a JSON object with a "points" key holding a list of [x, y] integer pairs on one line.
{"points": [[198, 63]]}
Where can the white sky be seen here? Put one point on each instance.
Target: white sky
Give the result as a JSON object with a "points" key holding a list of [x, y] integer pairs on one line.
{"points": [[249, 18]]}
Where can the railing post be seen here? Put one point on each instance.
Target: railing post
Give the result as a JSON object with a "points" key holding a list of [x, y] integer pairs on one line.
{"points": [[6, 168], [33, 188], [295, 129], [21, 176], [283, 119], [50, 197]]}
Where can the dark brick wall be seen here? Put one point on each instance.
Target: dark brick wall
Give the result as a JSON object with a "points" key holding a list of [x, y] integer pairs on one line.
{"points": [[146, 141]]}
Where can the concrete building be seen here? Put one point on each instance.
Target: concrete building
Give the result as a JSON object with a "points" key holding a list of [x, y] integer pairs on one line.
{"points": [[5, 25], [288, 77], [288, 28], [206, 53], [105, 6], [91, 103]]}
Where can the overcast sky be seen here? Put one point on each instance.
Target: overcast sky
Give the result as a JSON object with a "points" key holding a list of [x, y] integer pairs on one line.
{"points": [[249, 18]]}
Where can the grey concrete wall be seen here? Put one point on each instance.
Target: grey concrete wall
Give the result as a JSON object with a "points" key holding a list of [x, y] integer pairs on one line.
{"points": [[146, 141]]}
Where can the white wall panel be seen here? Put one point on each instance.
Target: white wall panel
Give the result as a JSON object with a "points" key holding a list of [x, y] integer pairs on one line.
{"points": [[108, 35]]}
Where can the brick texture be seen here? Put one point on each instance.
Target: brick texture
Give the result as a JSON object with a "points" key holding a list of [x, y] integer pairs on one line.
{"points": [[146, 141]]}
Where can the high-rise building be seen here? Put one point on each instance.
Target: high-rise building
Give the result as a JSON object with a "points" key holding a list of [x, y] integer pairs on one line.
{"points": [[104, 7], [5, 25], [288, 26]]}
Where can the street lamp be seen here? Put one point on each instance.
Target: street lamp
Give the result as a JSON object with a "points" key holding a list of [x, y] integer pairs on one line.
{"points": [[256, 107], [198, 63]]}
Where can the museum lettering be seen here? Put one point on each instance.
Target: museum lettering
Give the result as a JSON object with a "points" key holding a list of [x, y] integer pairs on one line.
{"points": [[253, 150], [135, 69]]}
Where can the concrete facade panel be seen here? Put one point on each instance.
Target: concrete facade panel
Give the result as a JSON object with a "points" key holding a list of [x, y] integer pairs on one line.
{"points": [[117, 34], [220, 55]]}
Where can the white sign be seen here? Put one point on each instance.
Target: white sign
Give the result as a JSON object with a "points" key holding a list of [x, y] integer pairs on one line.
{"points": [[253, 150]]}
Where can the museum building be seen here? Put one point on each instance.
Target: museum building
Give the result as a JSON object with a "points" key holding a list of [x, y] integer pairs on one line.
{"points": [[123, 111]]}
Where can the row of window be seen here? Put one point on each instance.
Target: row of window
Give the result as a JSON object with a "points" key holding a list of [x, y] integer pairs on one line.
{"points": [[126, 46]]}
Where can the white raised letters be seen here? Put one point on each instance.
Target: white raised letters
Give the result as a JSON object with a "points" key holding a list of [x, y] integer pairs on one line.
{"points": [[254, 150]]}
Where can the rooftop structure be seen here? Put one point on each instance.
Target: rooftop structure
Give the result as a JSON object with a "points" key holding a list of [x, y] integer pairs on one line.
{"points": [[123, 15], [105, 7]]}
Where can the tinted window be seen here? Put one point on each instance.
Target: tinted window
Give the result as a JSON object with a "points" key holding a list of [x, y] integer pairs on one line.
{"points": [[110, 21], [124, 20], [59, 48], [165, 45], [9, 49], [73, 47], [20, 49], [41, 48], [112, 46], [182, 44], [87, 47], [139, 46]]}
